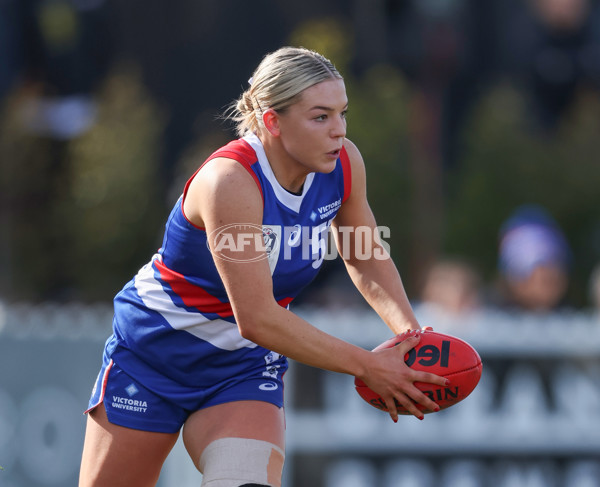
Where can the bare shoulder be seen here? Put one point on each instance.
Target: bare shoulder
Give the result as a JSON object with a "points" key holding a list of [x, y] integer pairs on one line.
{"points": [[353, 153], [357, 166], [222, 189]]}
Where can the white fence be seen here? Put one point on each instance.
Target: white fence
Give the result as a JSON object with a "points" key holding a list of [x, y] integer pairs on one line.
{"points": [[533, 421]]}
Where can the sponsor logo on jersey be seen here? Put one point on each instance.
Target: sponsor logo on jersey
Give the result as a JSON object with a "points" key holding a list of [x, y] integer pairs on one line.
{"points": [[313, 242], [269, 239], [326, 211], [294, 236]]}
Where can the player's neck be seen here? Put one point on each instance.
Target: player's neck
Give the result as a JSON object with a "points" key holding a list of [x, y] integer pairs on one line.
{"points": [[288, 172]]}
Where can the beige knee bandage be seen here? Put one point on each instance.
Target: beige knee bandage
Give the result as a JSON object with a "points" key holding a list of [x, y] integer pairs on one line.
{"points": [[231, 462]]}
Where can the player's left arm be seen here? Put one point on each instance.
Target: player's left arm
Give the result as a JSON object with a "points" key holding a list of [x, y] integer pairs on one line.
{"points": [[370, 266]]}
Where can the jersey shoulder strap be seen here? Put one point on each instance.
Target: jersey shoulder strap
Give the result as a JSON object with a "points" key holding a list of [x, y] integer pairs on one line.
{"points": [[239, 151], [347, 172]]}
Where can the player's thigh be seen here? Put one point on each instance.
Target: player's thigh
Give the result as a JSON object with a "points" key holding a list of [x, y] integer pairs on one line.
{"points": [[240, 419], [115, 456]]}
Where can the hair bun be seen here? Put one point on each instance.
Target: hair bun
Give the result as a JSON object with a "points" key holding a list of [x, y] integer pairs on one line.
{"points": [[245, 105]]}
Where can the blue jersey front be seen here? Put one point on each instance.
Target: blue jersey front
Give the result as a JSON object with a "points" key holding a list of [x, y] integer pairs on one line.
{"points": [[174, 315]]}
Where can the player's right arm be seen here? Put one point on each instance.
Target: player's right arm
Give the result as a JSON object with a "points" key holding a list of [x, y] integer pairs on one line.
{"points": [[223, 194]]}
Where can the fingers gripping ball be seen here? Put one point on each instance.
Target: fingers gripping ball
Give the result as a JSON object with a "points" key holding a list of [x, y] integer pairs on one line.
{"points": [[440, 354]]}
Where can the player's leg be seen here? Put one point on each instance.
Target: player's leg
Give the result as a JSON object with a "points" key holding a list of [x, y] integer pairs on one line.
{"points": [[115, 456], [237, 443]]}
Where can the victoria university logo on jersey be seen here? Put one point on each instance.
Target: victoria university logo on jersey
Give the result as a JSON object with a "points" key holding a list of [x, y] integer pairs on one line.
{"points": [[245, 242]]}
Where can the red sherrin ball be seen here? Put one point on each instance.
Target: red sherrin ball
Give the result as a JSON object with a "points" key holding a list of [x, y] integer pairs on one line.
{"points": [[440, 354]]}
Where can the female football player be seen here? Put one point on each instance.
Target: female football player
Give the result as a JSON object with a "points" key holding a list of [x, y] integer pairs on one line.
{"points": [[201, 335]]}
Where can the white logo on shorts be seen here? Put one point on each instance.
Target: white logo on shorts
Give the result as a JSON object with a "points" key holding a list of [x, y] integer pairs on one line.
{"points": [[128, 404], [268, 386], [272, 357], [131, 390]]}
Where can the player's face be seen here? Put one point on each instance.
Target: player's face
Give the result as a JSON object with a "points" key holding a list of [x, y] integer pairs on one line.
{"points": [[313, 129]]}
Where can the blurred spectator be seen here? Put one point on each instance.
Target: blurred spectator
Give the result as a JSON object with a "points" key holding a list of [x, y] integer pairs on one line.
{"points": [[554, 47], [452, 286], [67, 52], [534, 261]]}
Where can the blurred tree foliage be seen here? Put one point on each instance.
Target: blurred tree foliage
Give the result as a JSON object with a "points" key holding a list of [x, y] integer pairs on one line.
{"points": [[378, 123], [78, 217], [506, 162], [84, 213], [30, 183], [114, 202]]}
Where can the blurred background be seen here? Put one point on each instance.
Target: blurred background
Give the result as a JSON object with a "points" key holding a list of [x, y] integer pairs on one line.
{"points": [[479, 123]]}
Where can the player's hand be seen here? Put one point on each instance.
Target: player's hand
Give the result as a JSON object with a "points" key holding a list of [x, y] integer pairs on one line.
{"points": [[394, 381]]}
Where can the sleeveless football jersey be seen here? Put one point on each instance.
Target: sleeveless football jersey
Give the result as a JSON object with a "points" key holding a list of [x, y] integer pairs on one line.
{"points": [[174, 316]]}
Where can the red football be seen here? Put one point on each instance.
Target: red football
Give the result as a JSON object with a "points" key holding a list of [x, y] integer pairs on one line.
{"points": [[440, 354]]}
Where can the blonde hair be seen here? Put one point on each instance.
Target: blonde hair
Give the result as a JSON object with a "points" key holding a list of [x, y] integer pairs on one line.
{"points": [[277, 83]]}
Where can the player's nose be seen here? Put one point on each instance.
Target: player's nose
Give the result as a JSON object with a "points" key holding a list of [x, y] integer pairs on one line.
{"points": [[338, 130]]}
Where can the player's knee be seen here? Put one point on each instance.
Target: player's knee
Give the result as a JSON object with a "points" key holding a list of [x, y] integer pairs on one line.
{"points": [[241, 462]]}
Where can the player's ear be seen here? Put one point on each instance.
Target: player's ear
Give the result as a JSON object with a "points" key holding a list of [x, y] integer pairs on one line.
{"points": [[271, 122]]}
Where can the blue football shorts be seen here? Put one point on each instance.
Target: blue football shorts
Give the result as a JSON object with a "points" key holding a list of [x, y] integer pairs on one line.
{"points": [[129, 403]]}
